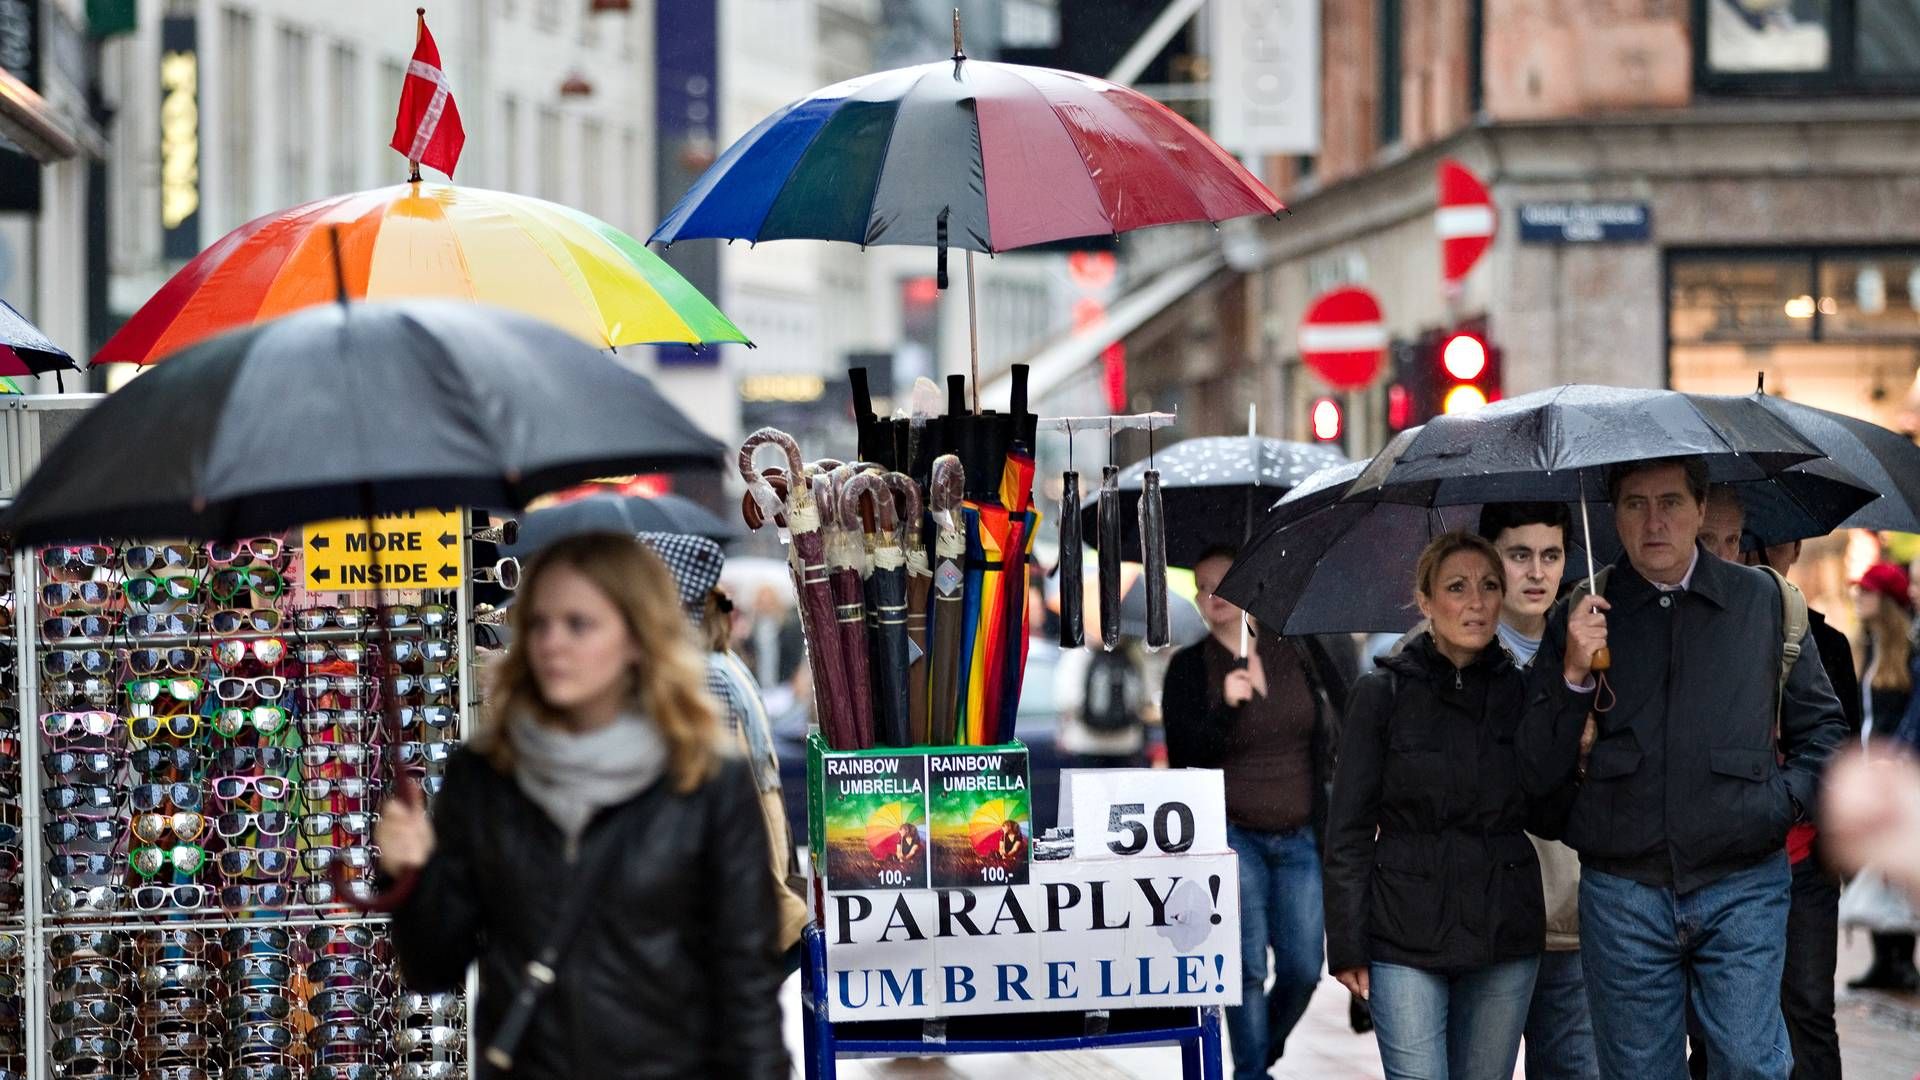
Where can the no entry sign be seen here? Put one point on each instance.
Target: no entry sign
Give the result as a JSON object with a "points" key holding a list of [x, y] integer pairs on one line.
{"points": [[1464, 219], [1343, 338]]}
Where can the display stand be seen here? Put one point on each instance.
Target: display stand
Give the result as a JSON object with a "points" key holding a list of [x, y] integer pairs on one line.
{"points": [[1196, 1030]]}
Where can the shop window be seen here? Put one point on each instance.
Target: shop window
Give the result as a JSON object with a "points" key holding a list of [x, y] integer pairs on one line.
{"points": [[1873, 296], [1387, 17], [1741, 299], [1807, 46]]}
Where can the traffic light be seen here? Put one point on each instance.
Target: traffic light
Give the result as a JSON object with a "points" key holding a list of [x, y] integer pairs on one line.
{"points": [[1469, 371], [1327, 421]]}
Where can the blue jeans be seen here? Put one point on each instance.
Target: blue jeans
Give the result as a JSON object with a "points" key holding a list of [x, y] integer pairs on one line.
{"points": [[1432, 1026], [1559, 1029], [1280, 908], [1650, 953]]}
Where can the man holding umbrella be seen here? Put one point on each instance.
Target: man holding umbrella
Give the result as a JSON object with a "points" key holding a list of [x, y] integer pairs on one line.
{"points": [[1703, 759]]}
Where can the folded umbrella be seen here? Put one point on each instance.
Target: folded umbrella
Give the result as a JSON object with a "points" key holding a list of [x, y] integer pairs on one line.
{"points": [[1008, 662], [884, 584], [947, 633], [919, 581], [846, 566]]}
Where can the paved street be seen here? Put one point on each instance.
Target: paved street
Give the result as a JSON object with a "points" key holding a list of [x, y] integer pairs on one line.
{"points": [[1879, 1038]]}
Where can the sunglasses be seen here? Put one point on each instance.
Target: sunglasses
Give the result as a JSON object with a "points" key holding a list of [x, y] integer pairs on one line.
{"points": [[154, 759], [58, 594], [318, 721], [352, 787], [319, 755], [433, 716], [56, 725], [346, 1000], [147, 589], [285, 1072], [322, 938], [94, 898], [90, 661], [249, 1003], [231, 654], [194, 941], [433, 753], [144, 557], [88, 1048], [156, 897], [235, 687], [180, 660], [401, 615], [148, 691], [431, 685], [356, 856], [186, 858], [149, 623], [350, 685], [239, 759], [236, 861], [96, 1012], [65, 763], [276, 1036], [153, 796], [191, 974], [89, 974], [78, 625], [234, 620], [259, 580], [344, 1033], [90, 863], [267, 895], [346, 618], [264, 548], [106, 944], [319, 652], [402, 651], [436, 1037], [80, 796], [177, 725], [266, 719], [95, 691], [271, 788], [358, 822], [434, 1006], [79, 557], [505, 573], [322, 893], [185, 825], [188, 1043], [267, 823], [176, 1072]]}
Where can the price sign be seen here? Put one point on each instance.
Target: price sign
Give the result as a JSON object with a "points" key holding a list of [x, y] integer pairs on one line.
{"points": [[1120, 813]]}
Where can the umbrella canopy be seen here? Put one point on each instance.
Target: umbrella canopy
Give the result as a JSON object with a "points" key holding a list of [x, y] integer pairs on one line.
{"points": [[619, 513], [1183, 618], [1885, 461], [347, 410], [1215, 490], [424, 239], [976, 155], [24, 350]]}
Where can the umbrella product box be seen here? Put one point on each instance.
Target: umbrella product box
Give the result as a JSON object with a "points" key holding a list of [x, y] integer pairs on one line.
{"points": [[918, 817]]}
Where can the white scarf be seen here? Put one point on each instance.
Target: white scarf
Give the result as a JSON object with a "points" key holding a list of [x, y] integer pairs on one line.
{"points": [[573, 776]]}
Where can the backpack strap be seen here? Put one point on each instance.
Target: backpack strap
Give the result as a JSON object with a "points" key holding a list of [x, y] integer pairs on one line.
{"points": [[1794, 623]]}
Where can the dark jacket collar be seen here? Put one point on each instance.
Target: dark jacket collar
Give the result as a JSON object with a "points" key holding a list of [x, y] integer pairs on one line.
{"points": [[1420, 658], [1712, 581]]}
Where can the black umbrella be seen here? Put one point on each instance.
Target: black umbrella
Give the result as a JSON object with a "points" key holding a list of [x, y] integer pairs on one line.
{"points": [[1215, 490], [1886, 461], [619, 513], [1186, 623], [346, 411], [25, 349]]}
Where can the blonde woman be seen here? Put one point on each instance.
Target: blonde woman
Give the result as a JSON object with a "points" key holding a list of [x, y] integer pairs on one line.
{"points": [[1880, 600], [595, 814]]}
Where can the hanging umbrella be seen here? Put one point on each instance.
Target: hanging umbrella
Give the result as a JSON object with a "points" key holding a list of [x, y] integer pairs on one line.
{"points": [[884, 586], [846, 567], [345, 411], [25, 350], [947, 634], [1215, 490], [427, 239], [618, 513], [1885, 461], [919, 582], [968, 154], [799, 516]]}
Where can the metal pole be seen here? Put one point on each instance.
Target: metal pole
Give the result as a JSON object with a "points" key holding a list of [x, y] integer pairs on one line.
{"points": [[1253, 431], [973, 329], [26, 588]]}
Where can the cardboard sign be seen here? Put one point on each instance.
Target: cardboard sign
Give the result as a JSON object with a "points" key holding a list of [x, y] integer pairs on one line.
{"points": [[1124, 813], [418, 549], [1153, 931], [874, 808], [982, 818]]}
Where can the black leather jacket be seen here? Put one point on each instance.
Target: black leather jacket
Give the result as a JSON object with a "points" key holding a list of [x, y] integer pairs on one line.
{"points": [[675, 973]]}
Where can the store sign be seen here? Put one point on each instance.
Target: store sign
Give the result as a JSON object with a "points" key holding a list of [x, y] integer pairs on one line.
{"points": [[1155, 931], [980, 813], [1266, 76], [1585, 223], [180, 137], [1140, 813], [418, 549]]}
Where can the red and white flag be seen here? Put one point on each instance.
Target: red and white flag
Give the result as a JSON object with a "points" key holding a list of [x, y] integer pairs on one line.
{"points": [[427, 128]]}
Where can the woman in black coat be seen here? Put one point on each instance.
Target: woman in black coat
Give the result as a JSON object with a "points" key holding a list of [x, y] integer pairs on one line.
{"points": [[1433, 899], [598, 777]]}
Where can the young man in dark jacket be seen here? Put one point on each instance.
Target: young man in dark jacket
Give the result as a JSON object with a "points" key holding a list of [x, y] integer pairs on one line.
{"points": [[1264, 723], [1684, 801]]}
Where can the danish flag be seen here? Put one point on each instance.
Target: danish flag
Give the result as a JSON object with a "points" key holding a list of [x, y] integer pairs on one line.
{"points": [[427, 128]]}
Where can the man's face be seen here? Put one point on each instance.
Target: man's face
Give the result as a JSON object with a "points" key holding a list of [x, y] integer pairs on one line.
{"points": [[1219, 614], [1720, 528], [1657, 518], [1533, 557]]}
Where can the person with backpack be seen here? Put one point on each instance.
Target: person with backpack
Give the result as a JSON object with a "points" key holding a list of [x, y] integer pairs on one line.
{"points": [[1101, 697], [1710, 723], [1264, 720]]}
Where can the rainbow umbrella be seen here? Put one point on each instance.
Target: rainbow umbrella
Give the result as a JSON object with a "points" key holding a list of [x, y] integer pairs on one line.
{"points": [[1010, 660], [985, 824], [883, 828], [8, 386], [426, 239]]}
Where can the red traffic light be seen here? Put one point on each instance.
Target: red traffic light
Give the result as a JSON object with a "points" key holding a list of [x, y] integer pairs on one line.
{"points": [[1464, 356], [1326, 419]]}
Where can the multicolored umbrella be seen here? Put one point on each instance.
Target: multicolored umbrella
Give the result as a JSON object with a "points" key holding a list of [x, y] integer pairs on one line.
{"points": [[998, 538], [1009, 665], [883, 828], [985, 825], [948, 633], [25, 350], [426, 239]]}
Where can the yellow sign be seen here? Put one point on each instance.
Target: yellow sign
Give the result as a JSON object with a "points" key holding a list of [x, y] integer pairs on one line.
{"points": [[419, 549]]}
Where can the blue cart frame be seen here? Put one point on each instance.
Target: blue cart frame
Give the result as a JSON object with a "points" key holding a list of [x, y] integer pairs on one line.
{"points": [[1199, 1041]]}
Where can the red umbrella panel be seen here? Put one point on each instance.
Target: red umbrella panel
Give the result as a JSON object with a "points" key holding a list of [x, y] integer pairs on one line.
{"points": [[846, 562]]}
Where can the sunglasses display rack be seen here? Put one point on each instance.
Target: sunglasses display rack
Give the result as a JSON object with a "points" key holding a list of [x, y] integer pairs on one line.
{"points": [[191, 770]]}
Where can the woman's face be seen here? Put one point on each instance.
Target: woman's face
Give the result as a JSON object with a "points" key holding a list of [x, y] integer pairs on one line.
{"points": [[1464, 604], [1866, 603], [578, 647]]}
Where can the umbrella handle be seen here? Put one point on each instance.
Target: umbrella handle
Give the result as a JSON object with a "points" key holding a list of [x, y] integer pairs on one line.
{"points": [[1602, 659]]}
